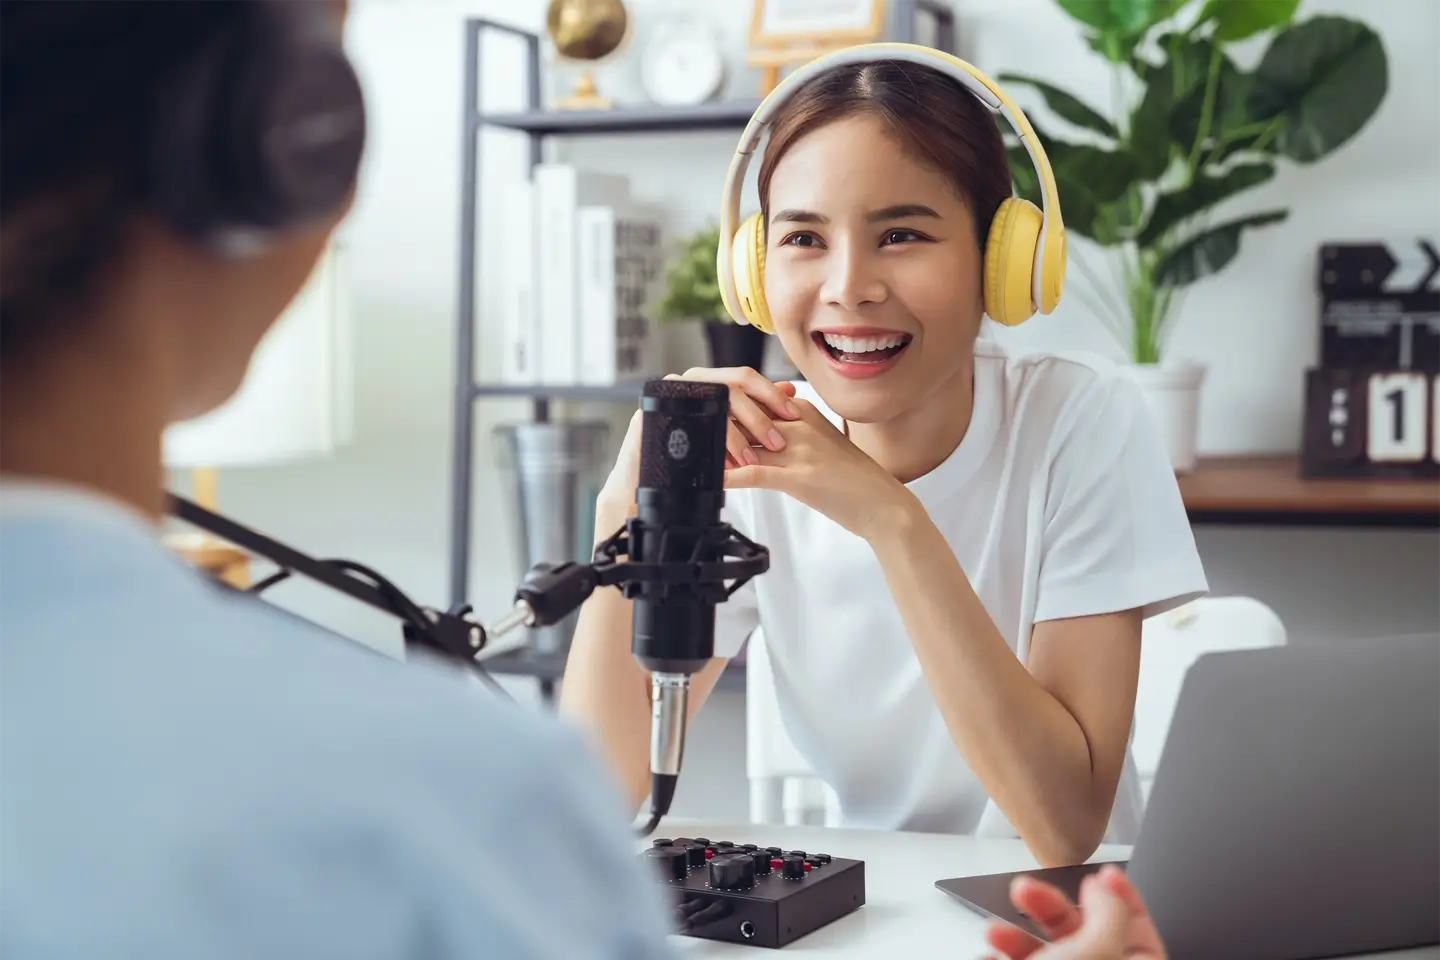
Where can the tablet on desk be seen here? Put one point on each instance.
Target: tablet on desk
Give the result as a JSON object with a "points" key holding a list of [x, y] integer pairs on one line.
{"points": [[989, 895]]}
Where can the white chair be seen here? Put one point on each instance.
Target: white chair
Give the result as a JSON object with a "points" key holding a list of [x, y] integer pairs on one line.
{"points": [[783, 786], [1175, 640]]}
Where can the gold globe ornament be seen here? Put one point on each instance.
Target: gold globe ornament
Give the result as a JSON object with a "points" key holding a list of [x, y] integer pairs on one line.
{"points": [[587, 32]]}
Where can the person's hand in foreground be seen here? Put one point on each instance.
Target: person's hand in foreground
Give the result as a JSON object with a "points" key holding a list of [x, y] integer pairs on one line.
{"points": [[1110, 923]]}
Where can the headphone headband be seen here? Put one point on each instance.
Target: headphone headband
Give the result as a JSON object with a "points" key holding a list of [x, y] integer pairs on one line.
{"points": [[1045, 284]]}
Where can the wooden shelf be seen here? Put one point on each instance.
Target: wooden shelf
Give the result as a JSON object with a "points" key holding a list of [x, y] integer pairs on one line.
{"points": [[1269, 491], [643, 118]]}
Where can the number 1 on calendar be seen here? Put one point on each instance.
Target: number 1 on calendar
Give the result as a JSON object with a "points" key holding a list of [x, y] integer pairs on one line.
{"points": [[1398, 428]]}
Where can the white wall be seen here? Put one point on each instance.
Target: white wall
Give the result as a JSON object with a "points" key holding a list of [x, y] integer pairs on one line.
{"points": [[385, 500]]}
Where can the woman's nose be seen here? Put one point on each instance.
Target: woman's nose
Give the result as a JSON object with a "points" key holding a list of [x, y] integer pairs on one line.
{"points": [[852, 278]]}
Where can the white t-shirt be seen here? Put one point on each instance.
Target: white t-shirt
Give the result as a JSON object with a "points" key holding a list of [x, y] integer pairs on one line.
{"points": [[1059, 502]]}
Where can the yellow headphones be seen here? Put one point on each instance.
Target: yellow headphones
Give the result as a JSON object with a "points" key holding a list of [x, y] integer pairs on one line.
{"points": [[1024, 256]]}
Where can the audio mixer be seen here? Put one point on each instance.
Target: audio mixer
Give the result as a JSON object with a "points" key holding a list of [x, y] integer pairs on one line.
{"points": [[745, 893]]}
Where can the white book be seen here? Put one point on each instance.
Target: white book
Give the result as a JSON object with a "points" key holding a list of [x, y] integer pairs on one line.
{"points": [[621, 259], [561, 189], [521, 337]]}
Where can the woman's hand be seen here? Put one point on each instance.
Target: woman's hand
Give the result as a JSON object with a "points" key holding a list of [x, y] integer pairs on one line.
{"points": [[756, 404], [820, 467], [1110, 923]]}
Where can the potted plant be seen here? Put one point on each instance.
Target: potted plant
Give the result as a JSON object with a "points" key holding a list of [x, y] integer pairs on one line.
{"points": [[1190, 130], [692, 292]]}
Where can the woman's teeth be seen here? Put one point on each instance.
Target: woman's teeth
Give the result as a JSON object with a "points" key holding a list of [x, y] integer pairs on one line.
{"points": [[864, 349], [863, 344]]}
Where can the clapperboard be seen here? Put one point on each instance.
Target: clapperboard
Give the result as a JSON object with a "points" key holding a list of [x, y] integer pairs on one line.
{"points": [[1380, 305], [1372, 406]]}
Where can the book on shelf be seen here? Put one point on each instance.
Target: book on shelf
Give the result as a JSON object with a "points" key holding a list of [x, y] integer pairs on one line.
{"points": [[621, 256], [584, 264], [520, 333]]}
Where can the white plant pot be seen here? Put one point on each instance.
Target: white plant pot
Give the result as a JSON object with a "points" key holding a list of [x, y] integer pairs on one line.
{"points": [[1173, 391]]}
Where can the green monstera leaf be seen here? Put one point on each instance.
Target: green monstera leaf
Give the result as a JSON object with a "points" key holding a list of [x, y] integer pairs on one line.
{"points": [[1322, 80], [1125, 17], [1206, 191], [1211, 251], [1198, 131], [1064, 105], [1238, 19]]}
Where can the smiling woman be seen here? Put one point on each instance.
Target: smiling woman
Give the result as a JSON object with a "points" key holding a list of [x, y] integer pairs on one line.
{"points": [[962, 541]]}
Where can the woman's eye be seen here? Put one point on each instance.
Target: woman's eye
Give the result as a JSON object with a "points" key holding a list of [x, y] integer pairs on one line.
{"points": [[802, 240], [900, 236]]}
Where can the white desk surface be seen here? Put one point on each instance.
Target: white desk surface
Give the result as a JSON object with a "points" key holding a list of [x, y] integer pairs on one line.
{"points": [[904, 914]]}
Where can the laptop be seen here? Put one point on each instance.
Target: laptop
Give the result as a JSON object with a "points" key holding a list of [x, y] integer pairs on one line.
{"points": [[1295, 812]]}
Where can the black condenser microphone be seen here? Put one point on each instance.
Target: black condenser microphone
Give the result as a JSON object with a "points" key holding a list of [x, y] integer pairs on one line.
{"points": [[677, 531]]}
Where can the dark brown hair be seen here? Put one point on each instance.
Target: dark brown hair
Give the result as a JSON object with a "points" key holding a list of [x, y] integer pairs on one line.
{"points": [[934, 119], [77, 84]]}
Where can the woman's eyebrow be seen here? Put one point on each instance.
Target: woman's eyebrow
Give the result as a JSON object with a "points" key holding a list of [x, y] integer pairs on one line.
{"points": [[895, 212], [901, 210]]}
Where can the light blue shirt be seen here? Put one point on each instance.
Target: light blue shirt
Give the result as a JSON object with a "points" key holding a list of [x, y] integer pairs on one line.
{"points": [[189, 773]]}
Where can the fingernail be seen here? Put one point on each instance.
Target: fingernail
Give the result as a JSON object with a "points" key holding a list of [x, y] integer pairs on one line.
{"points": [[791, 410], [750, 457], [776, 441]]}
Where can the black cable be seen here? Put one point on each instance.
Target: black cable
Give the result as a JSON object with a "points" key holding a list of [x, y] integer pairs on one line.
{"points": [[261, 586]]}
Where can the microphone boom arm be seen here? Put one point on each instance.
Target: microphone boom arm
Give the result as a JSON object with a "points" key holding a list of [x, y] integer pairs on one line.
{"points": [[451, 633], [548, 594]]}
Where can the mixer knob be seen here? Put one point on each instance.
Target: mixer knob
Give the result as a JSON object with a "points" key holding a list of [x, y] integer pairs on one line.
{"points": [[661, 843], [774, 852], [732, 872], [761, 860], [793, 867], [695, 852], [749, 847], [670, 862]]}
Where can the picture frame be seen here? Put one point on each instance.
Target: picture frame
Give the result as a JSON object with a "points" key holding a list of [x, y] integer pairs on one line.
{"points": [[788, 33], [818, 23]]}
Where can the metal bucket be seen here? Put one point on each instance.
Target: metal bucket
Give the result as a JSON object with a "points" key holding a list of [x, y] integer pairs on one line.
{"points": [[554, 472]]}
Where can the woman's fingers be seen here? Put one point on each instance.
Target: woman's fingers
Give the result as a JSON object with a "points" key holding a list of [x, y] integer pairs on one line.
{"points": [[776, 397], [754, 401], [1012, 942], [757, 424], [1051, 910], [737, 446]]}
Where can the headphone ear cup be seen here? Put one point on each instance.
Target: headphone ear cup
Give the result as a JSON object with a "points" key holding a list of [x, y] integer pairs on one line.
{"points": [[262, 131], [1010, 262], [747, 253]]}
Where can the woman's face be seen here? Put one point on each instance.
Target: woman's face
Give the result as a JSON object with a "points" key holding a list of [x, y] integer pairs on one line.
{"points": [[872, 270]]}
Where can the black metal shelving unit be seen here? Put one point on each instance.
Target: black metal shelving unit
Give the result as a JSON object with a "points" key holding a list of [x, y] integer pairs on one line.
{"points": [[537, 124]]}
